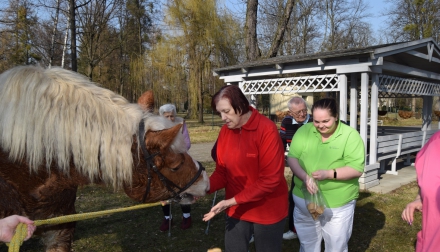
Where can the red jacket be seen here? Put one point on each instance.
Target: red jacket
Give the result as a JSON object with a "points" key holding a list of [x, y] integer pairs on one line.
{"points": [[250, 166]]}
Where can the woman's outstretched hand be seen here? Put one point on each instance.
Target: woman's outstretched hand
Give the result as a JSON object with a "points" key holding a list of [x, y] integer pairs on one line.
{"points": [[220, 207]]}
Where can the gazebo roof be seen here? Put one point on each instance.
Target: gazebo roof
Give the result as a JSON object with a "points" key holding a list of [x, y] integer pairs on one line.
{"points": [[420, 59]]}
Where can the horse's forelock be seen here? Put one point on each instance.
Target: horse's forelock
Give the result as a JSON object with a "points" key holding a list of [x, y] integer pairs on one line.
{"points": [[157, 123]]}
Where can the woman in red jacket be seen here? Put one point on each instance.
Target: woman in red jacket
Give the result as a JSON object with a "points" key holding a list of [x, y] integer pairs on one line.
{"points": [[250, 166]]}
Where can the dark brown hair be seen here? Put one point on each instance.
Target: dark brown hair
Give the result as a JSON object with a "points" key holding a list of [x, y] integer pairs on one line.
{"points": [[236, 98], [327, 103]]}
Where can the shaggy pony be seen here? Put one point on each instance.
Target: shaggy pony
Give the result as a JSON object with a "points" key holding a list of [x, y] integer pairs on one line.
{"points": [[59, 131], [56, 115]]}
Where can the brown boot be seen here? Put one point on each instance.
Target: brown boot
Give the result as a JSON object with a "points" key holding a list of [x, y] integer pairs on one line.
{"points": [[165, 224], [186, 223]]}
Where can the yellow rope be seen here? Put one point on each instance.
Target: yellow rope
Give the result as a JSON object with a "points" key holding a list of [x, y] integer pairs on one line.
{"points": [[21, 230]]}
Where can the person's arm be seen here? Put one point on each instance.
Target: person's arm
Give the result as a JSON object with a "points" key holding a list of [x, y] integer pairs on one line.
{"points": [[299, 172], [342, 173], [296, 168], [218, 176], [9, 224], [408, 212], [218, 179], [296, 149]]}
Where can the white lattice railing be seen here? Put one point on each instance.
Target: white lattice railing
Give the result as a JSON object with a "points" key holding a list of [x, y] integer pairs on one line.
{"points": [[395, 85], [304, 84], [389, 86]]}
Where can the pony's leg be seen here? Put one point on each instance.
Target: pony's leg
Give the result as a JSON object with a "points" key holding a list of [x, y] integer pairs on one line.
{"points": [[58, 238]]}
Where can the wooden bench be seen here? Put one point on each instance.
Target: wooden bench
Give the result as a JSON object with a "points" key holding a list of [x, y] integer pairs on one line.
{"points": [[388, 147], [394, 146], [407, 140]]}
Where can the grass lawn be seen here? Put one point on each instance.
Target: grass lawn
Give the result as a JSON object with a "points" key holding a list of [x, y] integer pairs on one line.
{"points": [[204, 133], [377, 224]]}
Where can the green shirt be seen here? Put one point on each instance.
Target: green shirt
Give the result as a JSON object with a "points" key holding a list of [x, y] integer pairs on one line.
{"points": [[344, 148]]}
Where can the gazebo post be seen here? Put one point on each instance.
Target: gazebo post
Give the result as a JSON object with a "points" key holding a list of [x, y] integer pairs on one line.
{"points": [[427, 112], [364, 109], [373, 116], [342, 97], [353, 100]]}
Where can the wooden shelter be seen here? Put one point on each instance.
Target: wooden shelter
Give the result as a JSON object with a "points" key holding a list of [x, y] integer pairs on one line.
{"points": [[360, 76]]}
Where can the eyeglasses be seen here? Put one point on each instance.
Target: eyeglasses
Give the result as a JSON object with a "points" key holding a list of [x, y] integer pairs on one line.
{"points": [[298, 113]]}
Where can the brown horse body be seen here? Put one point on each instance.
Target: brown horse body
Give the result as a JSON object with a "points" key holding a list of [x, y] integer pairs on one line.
{"points": [[43, 189]]}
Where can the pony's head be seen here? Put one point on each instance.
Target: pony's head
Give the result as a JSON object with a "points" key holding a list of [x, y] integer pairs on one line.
{"points": [[165, 154], [56, 118]]}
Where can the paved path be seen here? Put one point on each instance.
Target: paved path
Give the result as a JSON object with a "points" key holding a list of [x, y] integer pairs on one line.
{"points": [[388, 182], [201, 151]]}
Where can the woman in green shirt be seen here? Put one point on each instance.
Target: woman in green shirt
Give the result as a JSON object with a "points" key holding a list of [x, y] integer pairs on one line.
{"points": [[330, 156]]}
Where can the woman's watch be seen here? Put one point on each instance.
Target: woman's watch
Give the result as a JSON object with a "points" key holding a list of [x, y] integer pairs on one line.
{"points": [[335, 174]]}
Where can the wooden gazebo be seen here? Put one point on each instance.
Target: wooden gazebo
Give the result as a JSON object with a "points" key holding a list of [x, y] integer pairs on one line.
{"points": [[361, 76]]}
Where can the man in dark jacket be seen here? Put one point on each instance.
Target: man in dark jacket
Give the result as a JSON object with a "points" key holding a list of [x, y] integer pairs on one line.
{"points": [[297, 117]]}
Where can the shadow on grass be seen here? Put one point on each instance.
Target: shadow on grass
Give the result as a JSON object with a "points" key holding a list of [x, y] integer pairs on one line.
{"points": [[367, 222], [363, 195]]}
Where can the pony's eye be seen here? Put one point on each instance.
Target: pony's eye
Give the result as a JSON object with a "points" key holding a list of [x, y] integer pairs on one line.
{"points": [[180, 164], [177, 167]]}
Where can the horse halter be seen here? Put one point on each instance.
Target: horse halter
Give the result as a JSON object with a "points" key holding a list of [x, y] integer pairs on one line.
{"points": [[151, 166]]}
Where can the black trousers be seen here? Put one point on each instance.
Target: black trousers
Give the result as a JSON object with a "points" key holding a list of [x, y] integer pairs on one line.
{"points": [[185, 209], [268, 238]]}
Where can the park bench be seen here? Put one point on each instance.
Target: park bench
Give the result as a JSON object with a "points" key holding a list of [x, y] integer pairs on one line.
{"points": [[394, 146]]}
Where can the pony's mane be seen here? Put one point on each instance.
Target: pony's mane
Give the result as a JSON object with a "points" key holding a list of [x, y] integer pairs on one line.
{"points": [[56, 115]]}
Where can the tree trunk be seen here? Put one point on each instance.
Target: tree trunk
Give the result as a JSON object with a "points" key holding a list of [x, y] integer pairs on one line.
{"points": [[193, 86], [252, 50], [52, 42], [73, 35], [200, 93], [282, 26], [66, 36]]}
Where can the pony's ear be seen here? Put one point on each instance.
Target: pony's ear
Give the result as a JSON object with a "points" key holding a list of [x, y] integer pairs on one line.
{"points": [[146, 101], [163, 138]]}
